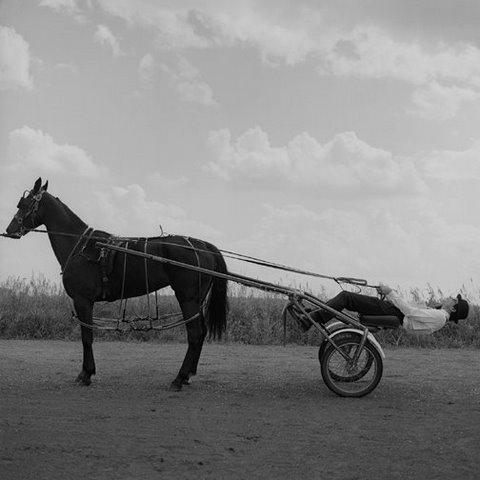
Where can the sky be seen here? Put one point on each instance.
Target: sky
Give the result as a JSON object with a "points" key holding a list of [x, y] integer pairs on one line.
{"points": [[340, 137]]}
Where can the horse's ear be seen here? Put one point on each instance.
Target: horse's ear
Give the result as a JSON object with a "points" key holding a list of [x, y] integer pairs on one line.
{"points": [[38, 184], [44, 188]]}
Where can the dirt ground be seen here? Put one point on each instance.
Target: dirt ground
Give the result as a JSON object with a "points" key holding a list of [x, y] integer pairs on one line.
{"points": [[251, 412]]}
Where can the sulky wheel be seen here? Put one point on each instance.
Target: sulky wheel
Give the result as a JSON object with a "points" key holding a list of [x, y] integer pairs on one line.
{"points": [[362, 371], [343, 377]]}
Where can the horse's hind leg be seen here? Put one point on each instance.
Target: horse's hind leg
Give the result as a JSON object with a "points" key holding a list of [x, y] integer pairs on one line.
{"points": [[199, 345], [196, 332], [84, 309]]}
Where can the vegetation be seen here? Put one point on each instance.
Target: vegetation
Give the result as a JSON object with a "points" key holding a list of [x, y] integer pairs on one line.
{"points": [[41, 309]]}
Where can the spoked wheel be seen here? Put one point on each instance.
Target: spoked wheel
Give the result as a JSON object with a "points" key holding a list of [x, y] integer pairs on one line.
{"points": [[346, 378], [363, 369]]}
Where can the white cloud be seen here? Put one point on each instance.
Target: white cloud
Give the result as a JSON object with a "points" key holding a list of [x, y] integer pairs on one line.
{"points": [[167, 183], [171, 24], [450, 166], [371, 52], [345, 162], [14, 60], [104, 36], [291, 35], [147, 68], [29, 148], [70, 68], [415, 247], [127, 210], [278, 40], [189, 84], [68, 7], [437, 102], [444, 77], [447, 75], [200, 25]]}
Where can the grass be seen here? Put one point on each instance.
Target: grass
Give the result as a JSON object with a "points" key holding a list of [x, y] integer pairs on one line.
{"points": [[41, 309]]}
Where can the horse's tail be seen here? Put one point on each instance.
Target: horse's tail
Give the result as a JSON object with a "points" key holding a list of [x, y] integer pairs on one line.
{"points": [[217, 310]]}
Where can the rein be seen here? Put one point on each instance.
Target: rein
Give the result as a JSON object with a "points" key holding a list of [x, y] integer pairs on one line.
{"points": [[358, 282]]}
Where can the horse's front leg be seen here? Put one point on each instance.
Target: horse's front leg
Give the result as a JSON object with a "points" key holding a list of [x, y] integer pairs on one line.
{"points": [[84, 309]]}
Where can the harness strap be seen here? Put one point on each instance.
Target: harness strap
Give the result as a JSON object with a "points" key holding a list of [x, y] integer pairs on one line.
{"points": [[70, 255], [102, 260], [146, 279], [206, 299], [125, 255], [187, 239]]}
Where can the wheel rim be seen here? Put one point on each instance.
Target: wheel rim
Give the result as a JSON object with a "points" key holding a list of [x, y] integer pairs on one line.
{"points": [[348, 378], [362, 368]]}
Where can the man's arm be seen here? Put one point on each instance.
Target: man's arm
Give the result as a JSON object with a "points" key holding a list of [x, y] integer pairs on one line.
{"points": [[396, 299], [405, 307]]}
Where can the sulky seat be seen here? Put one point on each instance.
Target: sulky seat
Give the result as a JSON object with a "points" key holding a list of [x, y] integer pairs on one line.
{"points": [[380, 321]]}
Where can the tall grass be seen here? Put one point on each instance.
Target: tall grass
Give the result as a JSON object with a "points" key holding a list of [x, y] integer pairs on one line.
{"points": [[39, 308]]}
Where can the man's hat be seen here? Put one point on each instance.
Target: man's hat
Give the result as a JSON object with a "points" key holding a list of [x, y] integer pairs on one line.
{"points": [[460, 310]]}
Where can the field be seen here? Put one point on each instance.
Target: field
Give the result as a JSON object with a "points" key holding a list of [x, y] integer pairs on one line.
{"points": [[252, 412], [40, 309]]}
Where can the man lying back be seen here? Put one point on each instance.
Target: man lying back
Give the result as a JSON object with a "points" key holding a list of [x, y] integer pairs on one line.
{"points": [[415, 318]]}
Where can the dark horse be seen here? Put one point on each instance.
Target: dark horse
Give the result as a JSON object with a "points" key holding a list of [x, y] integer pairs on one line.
{"points": [[89, 278]]}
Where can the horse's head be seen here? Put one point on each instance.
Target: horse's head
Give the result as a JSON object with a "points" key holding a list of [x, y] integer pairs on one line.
{"points": [[29, 214]]}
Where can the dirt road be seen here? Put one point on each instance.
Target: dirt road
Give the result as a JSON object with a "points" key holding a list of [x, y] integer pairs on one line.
{"points": [[252, 412]]}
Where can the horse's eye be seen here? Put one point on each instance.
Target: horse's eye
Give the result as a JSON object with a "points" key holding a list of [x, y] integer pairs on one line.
{"points": [[23, 203]]}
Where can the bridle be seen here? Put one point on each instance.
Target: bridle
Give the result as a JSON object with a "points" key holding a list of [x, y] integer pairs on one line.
{"points": [[30, 211]]}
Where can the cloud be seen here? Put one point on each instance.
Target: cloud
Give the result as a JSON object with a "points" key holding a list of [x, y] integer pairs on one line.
{"points": [[147, 68], [437, 102], [372, 53], [167, 183], [69, 68], [127, 210], [185, 79], [171, 25], [34, 149], [106, 38], [14, 60], [291, 35], [443, 76], [345, 162], [278, 39], [339, 242], [188, 83], [68, 7], [279, 35], [201, 25], [450, 166]]}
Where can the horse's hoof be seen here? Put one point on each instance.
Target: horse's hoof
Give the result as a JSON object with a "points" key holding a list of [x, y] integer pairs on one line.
{"points": [[83, 378], [175, 386]]}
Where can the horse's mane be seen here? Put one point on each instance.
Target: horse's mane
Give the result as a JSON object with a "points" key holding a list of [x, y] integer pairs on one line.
{"points": [[69, 211]]}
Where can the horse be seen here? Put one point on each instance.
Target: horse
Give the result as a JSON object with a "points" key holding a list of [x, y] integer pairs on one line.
{"points": [[91, 274]]}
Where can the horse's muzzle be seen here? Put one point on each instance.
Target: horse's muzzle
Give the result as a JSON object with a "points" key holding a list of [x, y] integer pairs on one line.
{"points": [[12, 235]]}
